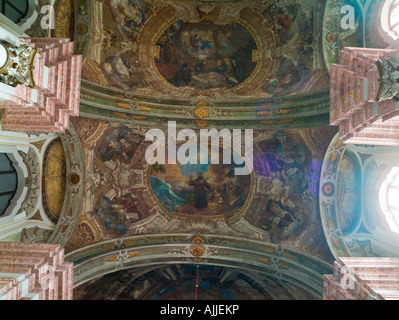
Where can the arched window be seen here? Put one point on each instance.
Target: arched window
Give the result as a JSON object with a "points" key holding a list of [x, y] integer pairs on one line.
{"points": [[8, 182], [389, 199], [15, 10], [390, 18]]}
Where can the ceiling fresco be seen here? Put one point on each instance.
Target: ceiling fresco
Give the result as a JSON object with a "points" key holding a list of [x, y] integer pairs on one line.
{"points": [[261, 65], [180, 188], [210, 46], [125, 196], [205, 56], [116, 212], [252, 62]]}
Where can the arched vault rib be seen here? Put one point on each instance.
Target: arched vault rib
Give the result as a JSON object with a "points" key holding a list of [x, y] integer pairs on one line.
{"points": [[285, 263]]}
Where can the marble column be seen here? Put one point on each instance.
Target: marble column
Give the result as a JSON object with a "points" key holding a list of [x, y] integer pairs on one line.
{"points": [[363, 96], [33, 271], [364, 278], [48, 105]]}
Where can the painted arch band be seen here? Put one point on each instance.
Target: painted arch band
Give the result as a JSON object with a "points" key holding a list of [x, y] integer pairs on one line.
{"points": [[190, 152]]}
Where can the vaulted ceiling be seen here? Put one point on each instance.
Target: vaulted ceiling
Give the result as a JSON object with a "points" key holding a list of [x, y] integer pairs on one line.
{"points": [[131, 228], [264, 64]]}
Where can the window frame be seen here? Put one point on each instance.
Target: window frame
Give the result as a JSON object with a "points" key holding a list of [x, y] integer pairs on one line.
{"points": [[12, 191], [389, 210], [22, 14]]}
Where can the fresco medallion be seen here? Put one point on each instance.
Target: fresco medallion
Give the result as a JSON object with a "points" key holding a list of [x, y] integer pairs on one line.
{"points": [[207, 190], [205, 55]]}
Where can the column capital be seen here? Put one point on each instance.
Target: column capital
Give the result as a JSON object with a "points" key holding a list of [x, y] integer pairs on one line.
{"points": [[17, 64]]}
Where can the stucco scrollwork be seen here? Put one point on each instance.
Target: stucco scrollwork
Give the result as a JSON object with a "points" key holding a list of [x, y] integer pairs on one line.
{"points": [[32, 164]]}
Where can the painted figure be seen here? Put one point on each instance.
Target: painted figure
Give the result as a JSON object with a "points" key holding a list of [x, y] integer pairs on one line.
{"points": [[205, 55], [128, 14], [200, 186]]}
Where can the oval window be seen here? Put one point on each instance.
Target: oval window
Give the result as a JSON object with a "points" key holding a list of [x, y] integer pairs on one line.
{"points": [[8, 182]]}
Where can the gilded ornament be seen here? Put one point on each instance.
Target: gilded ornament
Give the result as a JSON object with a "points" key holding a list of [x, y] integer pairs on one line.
{"points": [[74, 178], [198, 240], [17, 68], [201, 104], [119, 114], [285, 121], [201, 112], [140, 117], [265, 260], [267, 122], [133, 254], [123, 105], [201, 123], [82, 29], [113, 259], [331, 38], [197, 252], [144, 108]]}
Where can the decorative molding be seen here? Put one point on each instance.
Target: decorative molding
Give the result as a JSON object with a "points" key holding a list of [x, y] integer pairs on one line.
{"points": [[284, 263], [303, 110], [328, 198], [74, 193], [33, 181]]}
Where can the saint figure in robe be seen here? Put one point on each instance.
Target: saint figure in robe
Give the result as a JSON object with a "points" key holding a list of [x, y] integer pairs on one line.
{"points": [[200, 188]]}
